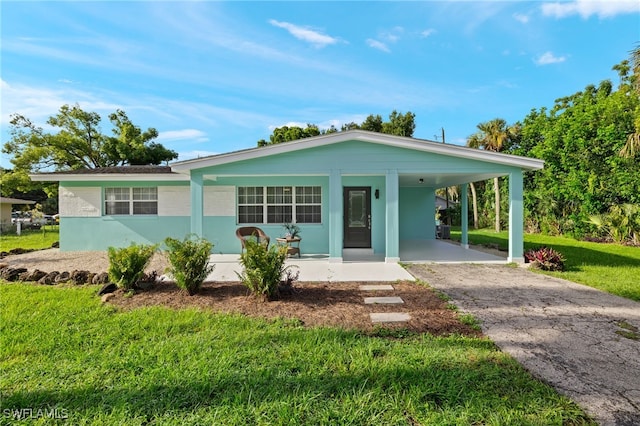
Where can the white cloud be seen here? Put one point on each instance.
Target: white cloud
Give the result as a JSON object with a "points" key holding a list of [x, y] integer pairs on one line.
{"points": [[520, 17], [39, 103], [306, 34], [548, 58], [192, 135], [428, 32], [587, 8], [377, 45], [393, 35]]}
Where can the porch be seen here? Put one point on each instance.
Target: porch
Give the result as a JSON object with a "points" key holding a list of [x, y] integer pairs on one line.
{"points": [[361, 266]]}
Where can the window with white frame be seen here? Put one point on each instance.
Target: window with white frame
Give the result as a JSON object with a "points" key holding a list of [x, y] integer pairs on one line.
{"points": [[131, 201], [308, 204], [279, 204]]}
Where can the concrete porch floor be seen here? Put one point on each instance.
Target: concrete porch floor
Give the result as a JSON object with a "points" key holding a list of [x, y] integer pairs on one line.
{"points": [[443, 251], [316, 267]]}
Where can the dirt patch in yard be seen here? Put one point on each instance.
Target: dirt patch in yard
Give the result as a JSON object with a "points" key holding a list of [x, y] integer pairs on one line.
{"points": [[313, 304]]}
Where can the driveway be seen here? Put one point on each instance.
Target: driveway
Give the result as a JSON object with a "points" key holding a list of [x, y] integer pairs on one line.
{"points": [[566, 334]]}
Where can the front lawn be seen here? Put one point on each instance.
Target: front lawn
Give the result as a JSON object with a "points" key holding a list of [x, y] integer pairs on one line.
{"points": [[610, 267], [64, 352], [35, 239]]}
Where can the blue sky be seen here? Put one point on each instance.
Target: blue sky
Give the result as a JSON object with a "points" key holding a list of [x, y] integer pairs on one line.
{"points": [[214, 77]]}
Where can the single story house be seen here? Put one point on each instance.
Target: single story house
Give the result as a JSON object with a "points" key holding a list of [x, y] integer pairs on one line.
{"points": [[442, 204], [345, 190], [6, 207]]}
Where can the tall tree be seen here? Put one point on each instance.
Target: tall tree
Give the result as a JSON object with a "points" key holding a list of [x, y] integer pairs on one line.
{"points": [[580, 140], [292, 133], [79, 142], [131, 145], [399, 124], [493, 135], [474, 204]]}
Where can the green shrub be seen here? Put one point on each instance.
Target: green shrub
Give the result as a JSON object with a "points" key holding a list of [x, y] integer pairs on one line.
{"points": [[189, 262], [127, 265], [621, 223], [263, 268]]}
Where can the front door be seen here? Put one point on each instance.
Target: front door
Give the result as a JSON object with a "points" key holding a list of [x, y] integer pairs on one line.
{"points": [[357, 217]]}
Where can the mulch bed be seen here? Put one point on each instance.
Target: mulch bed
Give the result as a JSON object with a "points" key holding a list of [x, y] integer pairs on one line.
{"points": [[313, 304]]}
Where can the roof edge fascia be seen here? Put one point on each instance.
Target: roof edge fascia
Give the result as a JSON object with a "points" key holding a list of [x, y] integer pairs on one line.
{"points": [[112, 177]]}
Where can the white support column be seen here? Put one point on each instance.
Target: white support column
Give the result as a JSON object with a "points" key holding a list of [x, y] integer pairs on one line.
{"points": [[336, 212], [392, 228], [464, 216], [516, 218], [196, 203]]}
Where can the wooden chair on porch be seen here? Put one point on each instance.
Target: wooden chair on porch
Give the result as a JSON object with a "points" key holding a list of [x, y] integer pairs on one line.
{"points": [[245, 232]]}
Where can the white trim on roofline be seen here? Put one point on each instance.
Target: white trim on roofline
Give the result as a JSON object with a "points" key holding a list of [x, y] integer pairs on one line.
{"points": [[360, 135], [108, 177]]}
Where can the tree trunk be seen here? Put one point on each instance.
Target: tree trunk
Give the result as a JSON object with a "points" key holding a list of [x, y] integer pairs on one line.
{"points": [[446, 195], [474, 202], [496, 187]]}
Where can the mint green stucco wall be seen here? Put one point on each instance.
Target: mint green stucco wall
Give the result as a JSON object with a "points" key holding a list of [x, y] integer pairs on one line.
{"points": [[101, 232], [221, 230], [417, 213]]}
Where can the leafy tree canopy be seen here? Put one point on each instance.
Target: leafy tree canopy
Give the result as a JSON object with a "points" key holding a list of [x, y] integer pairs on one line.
{"points": [[399, 124], [79, 143], [586, 140]]}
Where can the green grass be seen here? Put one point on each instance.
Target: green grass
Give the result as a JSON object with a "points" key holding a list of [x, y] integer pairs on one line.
{"points": [[62, 349], [30, 239], [610, 267]]}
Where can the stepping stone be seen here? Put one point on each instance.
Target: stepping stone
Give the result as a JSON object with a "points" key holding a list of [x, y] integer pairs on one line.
{"points": [[383, 300], [376, 287], [390, 317]]}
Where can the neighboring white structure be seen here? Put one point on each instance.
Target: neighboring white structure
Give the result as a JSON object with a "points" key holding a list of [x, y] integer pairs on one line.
{"points": [[6, 206]]}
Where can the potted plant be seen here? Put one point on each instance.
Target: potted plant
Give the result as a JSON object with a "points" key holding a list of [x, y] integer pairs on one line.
{"points": [[292, 231]]}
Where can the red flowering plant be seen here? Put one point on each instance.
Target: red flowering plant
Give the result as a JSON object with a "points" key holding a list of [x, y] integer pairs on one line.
{"points": [[545, 258]]}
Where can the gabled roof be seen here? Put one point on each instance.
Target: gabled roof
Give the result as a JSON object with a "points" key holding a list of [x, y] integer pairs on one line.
{"points": [[422, 145]]}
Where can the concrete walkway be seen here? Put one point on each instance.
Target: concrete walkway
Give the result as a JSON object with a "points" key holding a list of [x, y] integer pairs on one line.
{"points": [[566, 334]]}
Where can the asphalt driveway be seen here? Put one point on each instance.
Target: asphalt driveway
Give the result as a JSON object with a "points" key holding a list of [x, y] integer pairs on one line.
{"points": [[567, 334]]}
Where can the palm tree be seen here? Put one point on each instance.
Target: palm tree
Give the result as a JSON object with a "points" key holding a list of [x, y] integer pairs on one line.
{"points": [[635, 67], [632, 147], [449, 193], [493, 135]]}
